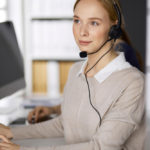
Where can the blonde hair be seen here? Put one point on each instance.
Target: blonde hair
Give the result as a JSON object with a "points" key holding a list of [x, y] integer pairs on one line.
{"points": [[109, 6]]}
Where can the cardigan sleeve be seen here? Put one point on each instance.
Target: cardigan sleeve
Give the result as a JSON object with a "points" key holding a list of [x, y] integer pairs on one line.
{"points": [[118, 124], [47, 129]]}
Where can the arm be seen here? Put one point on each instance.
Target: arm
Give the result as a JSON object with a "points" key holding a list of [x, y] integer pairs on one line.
{"points": [[47, 129], [118, 124]]}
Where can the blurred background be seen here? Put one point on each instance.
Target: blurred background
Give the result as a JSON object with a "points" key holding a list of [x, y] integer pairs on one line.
{"points": [[44, 34]]}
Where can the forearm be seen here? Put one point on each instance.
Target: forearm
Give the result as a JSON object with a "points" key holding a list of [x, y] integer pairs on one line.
{"points": [[47, 129], [78, 146]]}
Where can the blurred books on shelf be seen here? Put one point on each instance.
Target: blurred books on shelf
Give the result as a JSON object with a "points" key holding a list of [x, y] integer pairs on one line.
{"points": [[39, 77], [53, 39], [50, 44], [57, 8], [64, 71], [49, 78]]}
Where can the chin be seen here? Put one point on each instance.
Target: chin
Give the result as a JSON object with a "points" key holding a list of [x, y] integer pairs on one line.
{"points": [[84, 48]]}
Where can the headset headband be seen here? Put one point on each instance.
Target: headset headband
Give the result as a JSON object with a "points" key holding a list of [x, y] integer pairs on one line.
{"points": [[118, 14]]}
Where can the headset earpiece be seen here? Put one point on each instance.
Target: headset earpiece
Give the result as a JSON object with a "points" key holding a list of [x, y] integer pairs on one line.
{"points": [[115, 32]]}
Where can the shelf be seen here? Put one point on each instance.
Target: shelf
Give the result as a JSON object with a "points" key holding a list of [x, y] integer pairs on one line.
{"points": [[49, 38], [51, 18]]}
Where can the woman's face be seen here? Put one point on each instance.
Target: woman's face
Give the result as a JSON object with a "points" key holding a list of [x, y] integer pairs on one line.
{"points": [[91, 25]]}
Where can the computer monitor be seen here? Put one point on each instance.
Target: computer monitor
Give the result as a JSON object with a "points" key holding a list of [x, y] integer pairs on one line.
{"points": [[11, 61]]}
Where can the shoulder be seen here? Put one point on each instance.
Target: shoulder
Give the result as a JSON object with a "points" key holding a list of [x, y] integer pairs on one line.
{"points": [[131, 77], [133, 73], [75, 68]]}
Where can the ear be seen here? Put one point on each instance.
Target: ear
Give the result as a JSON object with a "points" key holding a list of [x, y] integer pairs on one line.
{"points": [[116, 22]]}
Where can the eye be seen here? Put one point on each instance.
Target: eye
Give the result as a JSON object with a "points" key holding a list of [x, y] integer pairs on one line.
{"points": [[76, 21], [94, 23]]}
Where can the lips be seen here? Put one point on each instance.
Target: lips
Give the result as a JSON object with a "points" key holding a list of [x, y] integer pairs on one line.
{"points": [[84, 43]]}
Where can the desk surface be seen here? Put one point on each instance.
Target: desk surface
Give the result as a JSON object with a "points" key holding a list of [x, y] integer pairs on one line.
{"points": [[21, 110]]}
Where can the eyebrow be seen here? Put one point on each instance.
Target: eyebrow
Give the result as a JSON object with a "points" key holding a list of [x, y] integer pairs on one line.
{"points": [[92, 18], [75, 16]]}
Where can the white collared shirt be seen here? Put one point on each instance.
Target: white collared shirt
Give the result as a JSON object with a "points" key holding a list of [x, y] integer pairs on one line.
{"points": [[117, 64]]}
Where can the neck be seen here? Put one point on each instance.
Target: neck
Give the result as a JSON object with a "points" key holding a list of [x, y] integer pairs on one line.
{"points": [[92, 59]]}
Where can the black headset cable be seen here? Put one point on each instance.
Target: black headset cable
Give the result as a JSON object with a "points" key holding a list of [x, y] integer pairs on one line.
{"points": [[88, 82]]}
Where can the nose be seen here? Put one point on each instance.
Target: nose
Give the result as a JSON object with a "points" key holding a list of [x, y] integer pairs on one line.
{"points": [[84, 30]]}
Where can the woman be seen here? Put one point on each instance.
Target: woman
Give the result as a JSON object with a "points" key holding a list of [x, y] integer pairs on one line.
{"points": [[116, 92], [123, 44]]}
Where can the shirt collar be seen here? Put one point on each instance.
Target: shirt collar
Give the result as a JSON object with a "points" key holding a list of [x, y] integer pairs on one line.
{"points": [[117, 64]]}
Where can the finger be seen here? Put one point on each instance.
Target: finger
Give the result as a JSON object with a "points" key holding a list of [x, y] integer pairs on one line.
{"points": [[31, 114], [4, 144], [37, 115], [4, 148], [42, 115], [30, 119], [2, 137]]}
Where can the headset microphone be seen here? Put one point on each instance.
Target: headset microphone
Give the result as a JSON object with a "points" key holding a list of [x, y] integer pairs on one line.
{"points": [[83, 54]]}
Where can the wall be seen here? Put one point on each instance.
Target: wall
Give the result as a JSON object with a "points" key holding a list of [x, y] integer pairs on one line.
{"points": [[147, 86], [135, 17]]}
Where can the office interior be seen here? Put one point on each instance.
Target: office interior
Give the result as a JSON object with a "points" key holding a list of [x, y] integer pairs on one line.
{"points": [[44, 34]]}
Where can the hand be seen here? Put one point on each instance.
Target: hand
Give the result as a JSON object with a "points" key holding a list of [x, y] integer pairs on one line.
{"points": [[6, 144], [38, 114], [4, 130]]}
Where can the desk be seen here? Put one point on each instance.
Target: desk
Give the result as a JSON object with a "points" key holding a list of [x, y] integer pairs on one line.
{"points": [[22, 107], [40, 142]]}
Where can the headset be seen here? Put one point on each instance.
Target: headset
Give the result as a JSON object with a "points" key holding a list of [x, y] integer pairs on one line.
{"points": [[114, 33]]}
